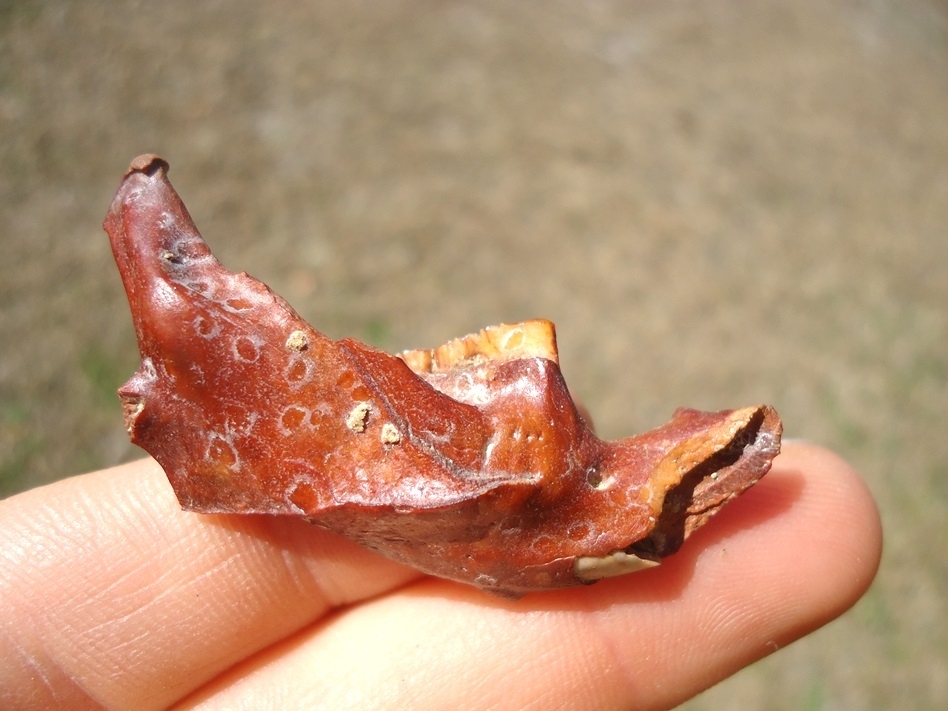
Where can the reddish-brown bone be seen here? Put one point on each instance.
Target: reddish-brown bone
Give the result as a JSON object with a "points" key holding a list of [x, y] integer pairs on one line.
{"points": [[469, 462]]}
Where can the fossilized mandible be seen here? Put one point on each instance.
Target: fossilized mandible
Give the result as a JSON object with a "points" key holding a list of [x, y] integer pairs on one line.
{"points": [[469, 461]]}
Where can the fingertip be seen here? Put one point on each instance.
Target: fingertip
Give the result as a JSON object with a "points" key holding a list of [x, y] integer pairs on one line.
{"points": [[844, 526], [785, 558], [762, 573]]}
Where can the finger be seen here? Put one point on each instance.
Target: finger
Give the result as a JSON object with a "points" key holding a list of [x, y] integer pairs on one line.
{"points": [[790, 555], [112, 596]]}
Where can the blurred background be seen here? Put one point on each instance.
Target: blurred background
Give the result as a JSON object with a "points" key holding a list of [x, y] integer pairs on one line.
{"points": [[719, 204]]}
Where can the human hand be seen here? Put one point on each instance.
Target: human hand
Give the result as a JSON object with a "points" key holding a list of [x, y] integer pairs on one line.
{"points": [[112, 597]]}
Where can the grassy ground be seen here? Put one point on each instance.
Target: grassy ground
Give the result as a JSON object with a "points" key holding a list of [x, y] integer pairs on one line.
{"points": [[718, 203]]}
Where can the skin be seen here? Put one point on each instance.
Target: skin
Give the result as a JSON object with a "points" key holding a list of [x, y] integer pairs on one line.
{"points": [[115, 598]]}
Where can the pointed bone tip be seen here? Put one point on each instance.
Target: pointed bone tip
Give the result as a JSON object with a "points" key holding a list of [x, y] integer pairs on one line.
{"points": [[147, 163], [592, 568]]}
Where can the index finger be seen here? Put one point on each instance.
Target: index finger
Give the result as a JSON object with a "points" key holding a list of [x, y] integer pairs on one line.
{"points": [[115, 597], [793, 553]]}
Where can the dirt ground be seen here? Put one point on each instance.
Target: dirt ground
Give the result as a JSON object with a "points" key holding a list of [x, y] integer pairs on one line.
{"points": [[718, 203]]}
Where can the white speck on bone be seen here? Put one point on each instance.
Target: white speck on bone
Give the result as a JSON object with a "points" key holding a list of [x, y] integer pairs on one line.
{"points": [[131, 414], [297, 341], [357, 417], [390, 434]]}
